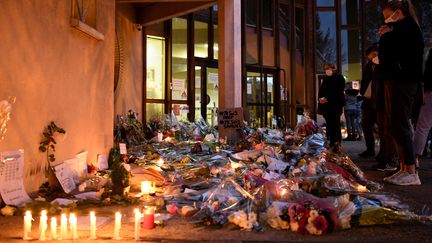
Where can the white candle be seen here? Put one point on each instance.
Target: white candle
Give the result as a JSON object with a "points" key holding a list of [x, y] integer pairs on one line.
{"points": [[43, 225], [27, 225], [137, 224], [146, 187], [53, 228], [73, 225], [92, 225], [63, 226], [117, 226]]}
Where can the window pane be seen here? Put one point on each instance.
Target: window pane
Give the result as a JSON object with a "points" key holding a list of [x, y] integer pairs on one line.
{"points": [[268, 48], [257, 115], [201, 39], [251, 45], [325, 39], [154, 110], [351, 54], [251, 12], [373, 19], [181, 111], [215, 42], [197, 92], [212, 95], [285, 58], [155, 84], [325, 3], [270, 90], [300, 71], [179, 59], [267, 13], [253, 87], [350, 12]]}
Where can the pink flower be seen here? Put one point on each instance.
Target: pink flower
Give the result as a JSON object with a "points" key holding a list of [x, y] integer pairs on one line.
{"points": [[172, 208]]}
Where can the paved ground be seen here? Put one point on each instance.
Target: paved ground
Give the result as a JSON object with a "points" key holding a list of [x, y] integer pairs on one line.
{"points": [[418, 197]]}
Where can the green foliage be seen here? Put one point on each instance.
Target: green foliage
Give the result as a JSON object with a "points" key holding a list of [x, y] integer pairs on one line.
{"points": [[47, 144], [129, 130], [119, 175]]}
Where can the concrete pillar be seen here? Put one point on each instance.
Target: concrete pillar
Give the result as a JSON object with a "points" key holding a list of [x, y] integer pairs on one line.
{"points": [[229, 21]]}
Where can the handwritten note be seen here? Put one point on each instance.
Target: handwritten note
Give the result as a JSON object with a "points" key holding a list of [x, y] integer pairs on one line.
{"points": [[11, 178], [65, 176], [230, 118], [229, 123]]}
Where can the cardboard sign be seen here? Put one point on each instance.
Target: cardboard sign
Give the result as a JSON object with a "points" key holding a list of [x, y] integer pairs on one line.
{"points": [[229, 122], [11, 178], [230, 118]]}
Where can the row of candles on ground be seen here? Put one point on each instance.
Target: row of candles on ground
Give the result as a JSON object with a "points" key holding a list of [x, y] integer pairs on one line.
{"points": [[147, 215]]}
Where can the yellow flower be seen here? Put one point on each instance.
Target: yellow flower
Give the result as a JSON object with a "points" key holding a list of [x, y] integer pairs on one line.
{"points": [[8, 211]]}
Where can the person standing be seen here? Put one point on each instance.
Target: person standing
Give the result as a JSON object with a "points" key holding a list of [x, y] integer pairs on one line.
{"points": [[368, 85], [331, 99], [401, 61], [350, 111], [424, 122]]}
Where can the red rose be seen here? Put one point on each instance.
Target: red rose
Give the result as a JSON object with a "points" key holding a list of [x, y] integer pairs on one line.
{"points": [[320, 223]]}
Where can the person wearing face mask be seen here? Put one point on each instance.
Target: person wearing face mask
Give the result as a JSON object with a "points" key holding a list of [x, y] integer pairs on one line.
{"points": [[372, 93], [401, 61], [332, 100]]}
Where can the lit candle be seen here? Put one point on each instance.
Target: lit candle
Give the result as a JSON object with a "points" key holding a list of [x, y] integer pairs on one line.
{"points": [[27, 225], [43, 225], [117, 226], [146, 187], [73, 225], [137, 224], [63, 226], [53, 228], [148, 218], [92, 225]]}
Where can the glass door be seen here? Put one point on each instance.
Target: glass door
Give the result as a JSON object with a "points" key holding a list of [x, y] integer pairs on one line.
{"points": [[260, 92], [206, 93]]}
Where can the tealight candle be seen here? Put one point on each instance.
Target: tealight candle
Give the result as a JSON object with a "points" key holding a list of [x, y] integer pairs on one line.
{"points": [[117, 226], [27, 225], [92, 225], [148, 218], [137, 224], [73, 225], [53, 228], [146, 187], [43, 225], [63, 226]]}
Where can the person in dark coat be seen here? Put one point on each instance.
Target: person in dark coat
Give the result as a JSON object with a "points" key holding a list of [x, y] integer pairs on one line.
{"points": [[372, 92], [401, 61], [367, 86], [332, 100]]}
